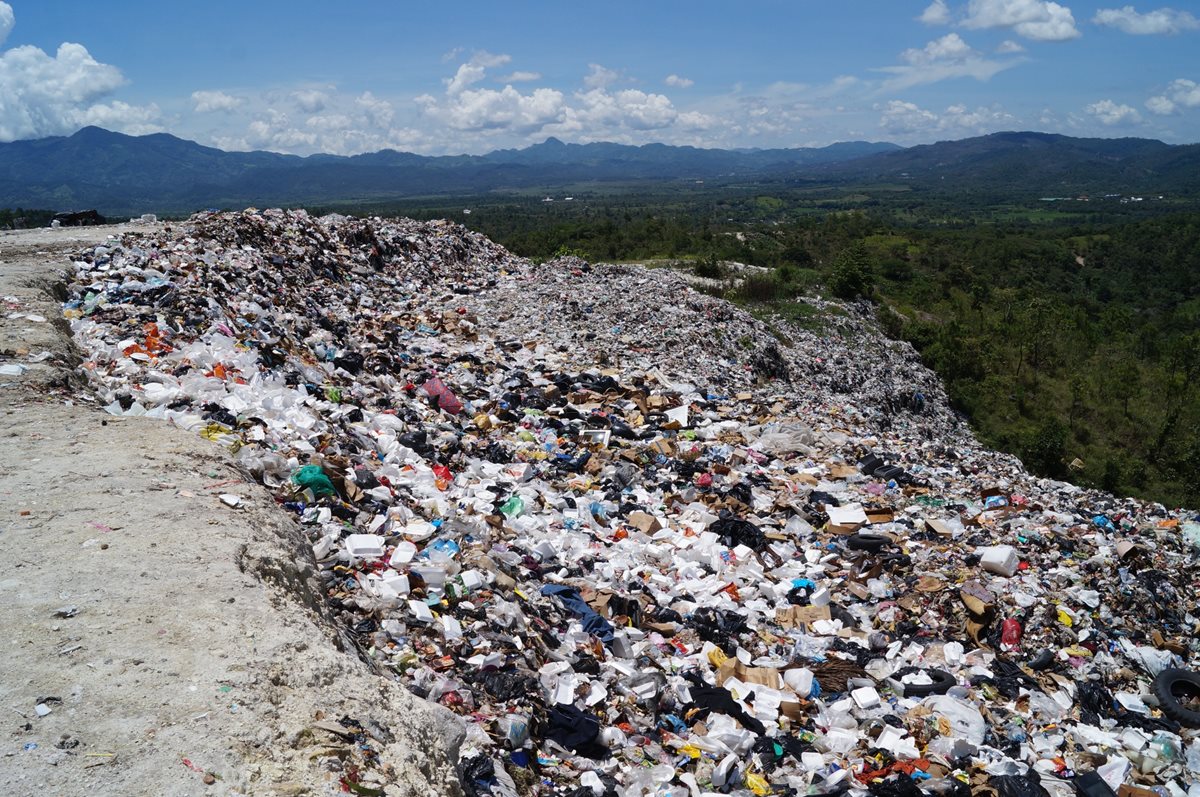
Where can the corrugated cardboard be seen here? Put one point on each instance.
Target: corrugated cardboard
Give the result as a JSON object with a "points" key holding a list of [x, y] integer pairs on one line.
{"points": [[763, 676], [796, 616]]}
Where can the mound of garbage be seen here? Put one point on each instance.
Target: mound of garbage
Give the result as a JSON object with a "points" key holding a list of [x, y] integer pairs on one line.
{"points": [[643, 543]]}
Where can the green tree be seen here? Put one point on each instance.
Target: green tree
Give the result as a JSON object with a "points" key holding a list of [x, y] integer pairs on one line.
{"points": [[1046, 449], [851, 276]]}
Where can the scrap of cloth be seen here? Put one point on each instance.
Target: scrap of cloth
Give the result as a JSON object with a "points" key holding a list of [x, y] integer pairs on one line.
{"points": [[593, 623]]}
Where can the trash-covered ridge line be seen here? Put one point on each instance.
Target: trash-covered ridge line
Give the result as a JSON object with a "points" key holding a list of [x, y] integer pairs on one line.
{"points": [[644, 544]]}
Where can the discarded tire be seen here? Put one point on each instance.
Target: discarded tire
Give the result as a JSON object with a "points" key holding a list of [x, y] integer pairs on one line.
{"points": [[867, 542], [942, 681], [1178, 693]]}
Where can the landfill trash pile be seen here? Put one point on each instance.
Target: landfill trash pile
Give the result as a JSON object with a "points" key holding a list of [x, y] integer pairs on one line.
{"points": [[643, 543]]}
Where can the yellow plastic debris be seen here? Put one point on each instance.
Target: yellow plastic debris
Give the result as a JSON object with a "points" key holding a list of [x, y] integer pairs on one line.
{"points": [[758, 784]]}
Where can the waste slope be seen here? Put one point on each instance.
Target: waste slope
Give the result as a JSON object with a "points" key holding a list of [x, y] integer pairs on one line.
{"points": [[639, 541]]}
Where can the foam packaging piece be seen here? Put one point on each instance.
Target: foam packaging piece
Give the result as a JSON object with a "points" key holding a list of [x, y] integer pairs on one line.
{"points": [[999, 559]]}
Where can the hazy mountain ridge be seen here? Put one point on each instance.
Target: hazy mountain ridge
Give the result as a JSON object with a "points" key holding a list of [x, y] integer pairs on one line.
{"points": [[1032, 164], [160, 172], [117, 173]]}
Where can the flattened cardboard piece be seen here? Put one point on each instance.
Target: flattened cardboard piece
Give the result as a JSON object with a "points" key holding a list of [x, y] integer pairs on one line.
{"points": [[939, 527], [880, 515], [1126, 547], [859, 591], [797, 616], [644, 522], [1125, 790], [763, 676], [796, 712], [663, 447]]}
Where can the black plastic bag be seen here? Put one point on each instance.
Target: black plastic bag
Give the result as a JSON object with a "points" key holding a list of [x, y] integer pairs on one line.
{"points": [[1018, 786], [734, 532]]}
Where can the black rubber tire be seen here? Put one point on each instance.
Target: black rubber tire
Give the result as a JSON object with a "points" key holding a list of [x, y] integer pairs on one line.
{"points": [[863, 541], [942, 682], [1166, 687]]}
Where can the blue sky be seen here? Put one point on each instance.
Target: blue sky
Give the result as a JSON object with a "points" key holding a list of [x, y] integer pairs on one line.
{"points": [[307, 77]]}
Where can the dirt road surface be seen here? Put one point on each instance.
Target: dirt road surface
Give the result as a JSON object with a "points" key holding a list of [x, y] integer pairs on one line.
{"points": [[155, 640]]}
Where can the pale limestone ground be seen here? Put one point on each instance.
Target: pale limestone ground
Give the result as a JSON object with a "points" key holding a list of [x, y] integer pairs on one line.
{"points": [[200, 631]]}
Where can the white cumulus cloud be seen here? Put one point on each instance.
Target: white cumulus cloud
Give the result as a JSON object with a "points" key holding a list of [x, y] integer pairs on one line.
{"points": [[209, 101], [950, 47], [677, 82], [598, 77], [1160, 106], [329, 122], [1161, 21], [1009, 47], [310, 100], [1040, 20], [134, 120], [936, 13], [941, 59], [378, 112], [475, 70], [904, 118], [44, 95], [310, 118], [1113, 114], [7, 20], [488, 109], [1180, 94], [628, 108], [596, 111], [907, 117], [48, 95]]}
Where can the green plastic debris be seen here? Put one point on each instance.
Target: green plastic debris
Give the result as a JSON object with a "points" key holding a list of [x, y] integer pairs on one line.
{"points": [[513, 506], [311, 477]]}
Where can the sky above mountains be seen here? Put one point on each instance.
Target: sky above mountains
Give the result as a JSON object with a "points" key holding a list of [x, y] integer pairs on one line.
{"points": [[304, 77]]}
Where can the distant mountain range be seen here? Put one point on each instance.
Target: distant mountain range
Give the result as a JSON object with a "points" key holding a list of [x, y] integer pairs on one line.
{"points": [[1024, 165], [160, 173]]}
